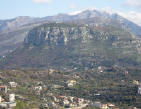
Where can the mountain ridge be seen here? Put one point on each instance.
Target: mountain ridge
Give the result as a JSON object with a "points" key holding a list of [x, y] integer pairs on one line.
{"points": [[86, 14], [14, 37], [60, 45]]}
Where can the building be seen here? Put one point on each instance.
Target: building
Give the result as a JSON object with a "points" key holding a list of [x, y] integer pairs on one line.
{"points": [[71, 83], [8, 105], [104, 106], [12, 98], [76, 76], [100, 105], [111, 106], [0, 99], [55, 99], [38, 88], [135, 82], [66, 102], [71, 98], [3, 89], [97, 104], [100, 69], [126, 72], [13, 84], [55, 86], [51, 71], [80, 101], [139, 89]]}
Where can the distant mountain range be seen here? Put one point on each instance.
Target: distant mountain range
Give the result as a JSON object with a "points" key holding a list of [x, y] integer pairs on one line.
{"points": [[87, 39], [85, 15]]}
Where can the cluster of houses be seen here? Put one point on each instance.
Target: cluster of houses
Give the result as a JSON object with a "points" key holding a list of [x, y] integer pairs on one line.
{"points": [[104, 106], [62, 101], [39, 86], [139, 86], [68, 102], [10, 102], [76, 103]]}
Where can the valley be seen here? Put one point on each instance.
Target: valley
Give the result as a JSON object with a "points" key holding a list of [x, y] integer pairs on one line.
{"points": [[89, 60]]}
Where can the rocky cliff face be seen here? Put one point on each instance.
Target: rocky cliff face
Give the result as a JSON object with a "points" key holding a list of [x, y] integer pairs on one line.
{"points": [[61, 34], [13, 31], [74, 46], [58, 34]]}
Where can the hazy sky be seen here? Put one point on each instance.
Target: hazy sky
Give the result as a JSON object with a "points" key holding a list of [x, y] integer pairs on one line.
{"points": [[41, 8]]}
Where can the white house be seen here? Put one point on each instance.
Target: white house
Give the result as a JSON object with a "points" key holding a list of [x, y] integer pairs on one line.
{"points": [[0, 99], [13, 84], [12, 98], [139, 90], [71, 83], [39, 88]]}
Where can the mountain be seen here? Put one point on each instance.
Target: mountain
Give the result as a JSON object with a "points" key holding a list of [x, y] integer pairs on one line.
{"points": [[12, 38], [61, 45], [130, 26], [16, 22], [14, 31], [84, 15], [96, 17]]}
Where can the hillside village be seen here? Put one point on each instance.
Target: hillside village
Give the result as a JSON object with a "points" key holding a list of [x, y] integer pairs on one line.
{"points": [[70, 54], [52, 89]]}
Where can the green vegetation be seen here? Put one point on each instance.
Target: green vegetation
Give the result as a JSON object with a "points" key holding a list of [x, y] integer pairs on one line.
{"points": [[21, 105], [112, 85], [74, 46]]}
